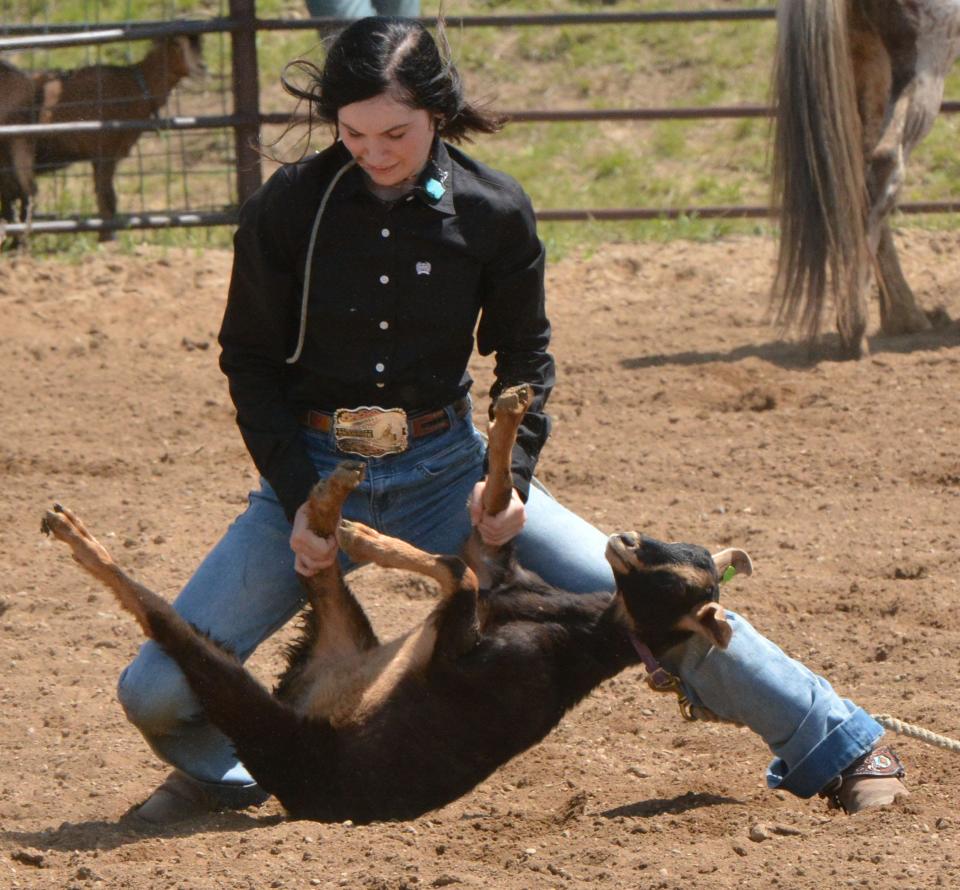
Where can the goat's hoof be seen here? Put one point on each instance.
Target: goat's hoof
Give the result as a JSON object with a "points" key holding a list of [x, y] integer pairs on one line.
{"points": [[513, 400], [348, 474], [358, 541], [53, 522]]}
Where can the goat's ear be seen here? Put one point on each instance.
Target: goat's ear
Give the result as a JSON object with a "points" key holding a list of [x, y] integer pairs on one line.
{"points": [[710, 621], [739, 560]]}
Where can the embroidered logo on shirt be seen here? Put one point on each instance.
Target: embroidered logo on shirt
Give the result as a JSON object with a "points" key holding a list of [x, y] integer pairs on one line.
{"points": [[423, 268]]}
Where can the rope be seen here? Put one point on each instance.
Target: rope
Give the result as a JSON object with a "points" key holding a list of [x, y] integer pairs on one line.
{"points": [[309, 263], [917, 732]]}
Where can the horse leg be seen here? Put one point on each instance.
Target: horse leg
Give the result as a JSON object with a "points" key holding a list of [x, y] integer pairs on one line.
{"points": [[899, 311], [910, 120]]}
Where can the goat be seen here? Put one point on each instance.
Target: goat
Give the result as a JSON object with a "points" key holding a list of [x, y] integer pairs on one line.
{"points": [[109, 92], [367, 731]]}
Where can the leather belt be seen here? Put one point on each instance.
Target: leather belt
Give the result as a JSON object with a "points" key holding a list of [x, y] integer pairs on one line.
{"points": [[419, 423]]}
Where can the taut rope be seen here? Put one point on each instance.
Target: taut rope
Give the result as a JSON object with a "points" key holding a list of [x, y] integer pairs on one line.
{"points": [[917, 732]]}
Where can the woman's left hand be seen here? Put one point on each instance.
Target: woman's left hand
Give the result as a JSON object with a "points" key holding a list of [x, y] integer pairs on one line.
{"points": [[496, 528]]}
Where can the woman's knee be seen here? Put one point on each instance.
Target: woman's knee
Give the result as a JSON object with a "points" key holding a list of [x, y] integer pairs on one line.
{"points": [[563, 548], [153, 692]]}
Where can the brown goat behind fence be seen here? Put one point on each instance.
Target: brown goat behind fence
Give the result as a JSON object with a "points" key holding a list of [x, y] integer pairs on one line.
{"points": [[91, 93]]}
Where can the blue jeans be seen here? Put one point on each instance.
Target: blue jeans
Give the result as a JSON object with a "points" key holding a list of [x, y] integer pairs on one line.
{"points": [[358, 9], [246, 589]]}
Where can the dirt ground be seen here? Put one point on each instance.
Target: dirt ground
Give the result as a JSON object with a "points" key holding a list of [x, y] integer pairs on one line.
{"points": [[678, 412]]}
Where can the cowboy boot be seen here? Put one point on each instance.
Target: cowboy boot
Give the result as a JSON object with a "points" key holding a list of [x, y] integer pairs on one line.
{"points": [[872, 780]]}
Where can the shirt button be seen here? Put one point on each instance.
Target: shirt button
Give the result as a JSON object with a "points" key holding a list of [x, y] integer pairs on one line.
{"points": [[384, 279], [385, 233], [379, 366], [384, 325]]}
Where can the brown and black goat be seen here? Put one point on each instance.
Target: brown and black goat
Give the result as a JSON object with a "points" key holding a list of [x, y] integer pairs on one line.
{"points": [[109, 92], [368, 731]]}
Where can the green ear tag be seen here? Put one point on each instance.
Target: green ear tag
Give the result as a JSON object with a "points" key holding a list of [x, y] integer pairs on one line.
{"points": [[728, 573]]}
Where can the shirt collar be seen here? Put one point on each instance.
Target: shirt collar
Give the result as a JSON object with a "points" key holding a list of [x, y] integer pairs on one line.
{"points": [[434, 185]]}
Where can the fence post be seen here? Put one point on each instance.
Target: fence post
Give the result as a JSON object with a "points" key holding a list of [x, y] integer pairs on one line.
{"points": [[246, 96]]}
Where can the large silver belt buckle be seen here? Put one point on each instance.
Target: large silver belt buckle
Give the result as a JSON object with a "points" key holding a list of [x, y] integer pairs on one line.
{"points": [[370, 431]]}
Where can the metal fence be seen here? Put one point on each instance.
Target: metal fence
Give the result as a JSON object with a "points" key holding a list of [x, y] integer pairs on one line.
{"points": [[236, 158]]}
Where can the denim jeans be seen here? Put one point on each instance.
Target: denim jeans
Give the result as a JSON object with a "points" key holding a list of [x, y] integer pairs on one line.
{"points": [[246, 589], [358, 9]]}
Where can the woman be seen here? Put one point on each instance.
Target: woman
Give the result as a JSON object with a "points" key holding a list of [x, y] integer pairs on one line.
{"points": [[359, 278]]}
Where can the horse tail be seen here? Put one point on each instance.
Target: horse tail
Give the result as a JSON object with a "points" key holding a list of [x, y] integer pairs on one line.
{"points": [[818, 165]]}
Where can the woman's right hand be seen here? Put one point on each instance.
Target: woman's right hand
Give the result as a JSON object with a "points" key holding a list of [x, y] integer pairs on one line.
{"points": [[311, 551]]}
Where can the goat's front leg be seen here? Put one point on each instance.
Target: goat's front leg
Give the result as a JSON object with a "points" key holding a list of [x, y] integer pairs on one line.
{"points": [[364, 544], [456, 618], [338, 625]]}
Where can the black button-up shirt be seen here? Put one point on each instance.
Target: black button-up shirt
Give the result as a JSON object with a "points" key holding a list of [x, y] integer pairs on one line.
{"points": [[395, 295]]}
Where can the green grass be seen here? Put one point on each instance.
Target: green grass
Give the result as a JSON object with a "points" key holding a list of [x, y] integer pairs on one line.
{"points": [[562, 165]]}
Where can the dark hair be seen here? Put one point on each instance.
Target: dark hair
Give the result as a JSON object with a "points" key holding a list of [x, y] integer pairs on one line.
{"points": [[397, 56]]}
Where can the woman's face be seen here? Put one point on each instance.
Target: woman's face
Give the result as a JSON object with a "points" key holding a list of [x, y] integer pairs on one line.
{"points": [[390, 141]]}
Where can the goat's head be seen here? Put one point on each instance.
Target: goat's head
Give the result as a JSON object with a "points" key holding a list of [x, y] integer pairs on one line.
{"points": [[669, 591], [184, 55]]}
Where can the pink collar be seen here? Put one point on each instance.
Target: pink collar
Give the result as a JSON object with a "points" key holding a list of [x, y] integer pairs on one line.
{"points": [[657, 676]]}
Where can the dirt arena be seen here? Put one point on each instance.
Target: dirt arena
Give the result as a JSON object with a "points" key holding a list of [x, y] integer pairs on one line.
{"points": [[678, 412]]}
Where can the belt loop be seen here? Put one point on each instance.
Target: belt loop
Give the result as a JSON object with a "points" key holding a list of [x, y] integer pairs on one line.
{"points": [[453, 410]]}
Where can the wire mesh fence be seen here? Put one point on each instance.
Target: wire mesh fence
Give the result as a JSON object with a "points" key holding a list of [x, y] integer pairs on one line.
{"points": [[562, 77], [80, 79]]}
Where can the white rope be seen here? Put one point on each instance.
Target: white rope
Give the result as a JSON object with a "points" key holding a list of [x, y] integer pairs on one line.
{"points": [[307, 267], [917, 732]]}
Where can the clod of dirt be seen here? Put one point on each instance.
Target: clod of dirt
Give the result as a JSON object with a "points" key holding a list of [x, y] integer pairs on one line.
{"points": [[29, 857], [910, 572], [758, 399], [573, 808]]}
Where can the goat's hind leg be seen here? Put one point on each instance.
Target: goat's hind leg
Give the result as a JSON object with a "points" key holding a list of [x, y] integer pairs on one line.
{"points": [[508, 411], [335, 624], [491, 563], [262, 729], [66, 526]]}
